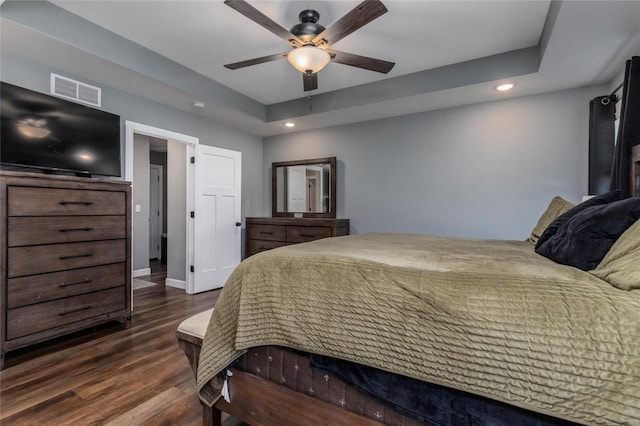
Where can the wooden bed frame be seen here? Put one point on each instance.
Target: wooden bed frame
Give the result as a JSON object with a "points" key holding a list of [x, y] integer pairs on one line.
{"points": [[259, 402]]}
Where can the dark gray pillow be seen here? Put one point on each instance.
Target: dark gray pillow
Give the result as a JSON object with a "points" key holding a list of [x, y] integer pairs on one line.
{"points": [[586, 237], [553, 227]]}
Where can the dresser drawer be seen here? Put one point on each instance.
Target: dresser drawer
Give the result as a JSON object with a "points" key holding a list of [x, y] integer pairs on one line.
{"points": [[267, 232], [43, 316], [27, 230], [58, 257], [257, 246], [56, 285], [30, 201], [301, 234]]}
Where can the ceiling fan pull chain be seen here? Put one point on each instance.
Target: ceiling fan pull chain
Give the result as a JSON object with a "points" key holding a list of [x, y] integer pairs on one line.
{"points": [[309, 99]]}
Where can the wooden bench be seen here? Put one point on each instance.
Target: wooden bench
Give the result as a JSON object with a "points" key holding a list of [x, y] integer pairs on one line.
{"points": [[190, 333]]}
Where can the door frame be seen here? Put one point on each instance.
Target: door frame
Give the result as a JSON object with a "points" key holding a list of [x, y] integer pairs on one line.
{"points": [[132, 127]]}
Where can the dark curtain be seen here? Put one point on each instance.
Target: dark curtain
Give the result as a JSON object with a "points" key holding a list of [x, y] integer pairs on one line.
{"points": [[602, 115], [629, 129]]}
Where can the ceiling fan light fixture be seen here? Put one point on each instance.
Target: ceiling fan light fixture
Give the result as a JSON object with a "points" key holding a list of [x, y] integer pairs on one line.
{"points": [[308, 58]]}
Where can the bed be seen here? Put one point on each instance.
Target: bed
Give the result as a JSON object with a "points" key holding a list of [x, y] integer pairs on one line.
{"points": [[506, 335]]}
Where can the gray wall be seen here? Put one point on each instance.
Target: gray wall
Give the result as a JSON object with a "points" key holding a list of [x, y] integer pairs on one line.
{"points": [[35, 76], [480, 171], [484, 170], [140, 197]]}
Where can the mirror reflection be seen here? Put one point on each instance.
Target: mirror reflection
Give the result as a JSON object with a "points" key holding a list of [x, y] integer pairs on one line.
{"points": [[303, 188]]}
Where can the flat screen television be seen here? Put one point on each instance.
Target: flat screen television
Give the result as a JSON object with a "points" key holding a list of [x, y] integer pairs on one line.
{"points": [[39, 131]]}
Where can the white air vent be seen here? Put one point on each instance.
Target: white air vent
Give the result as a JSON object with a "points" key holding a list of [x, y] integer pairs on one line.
{"points": [[71, 89]]}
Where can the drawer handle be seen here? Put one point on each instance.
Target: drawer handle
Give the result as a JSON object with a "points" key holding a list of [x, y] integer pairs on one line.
{"points": [[307, 235], [67, 284], [78, 309], [73, 256], [86, 228], [265, 232], [84, 203]]}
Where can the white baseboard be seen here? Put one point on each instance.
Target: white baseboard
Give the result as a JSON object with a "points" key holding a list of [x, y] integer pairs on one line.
{"points": [[170, 282], [141, 272]]}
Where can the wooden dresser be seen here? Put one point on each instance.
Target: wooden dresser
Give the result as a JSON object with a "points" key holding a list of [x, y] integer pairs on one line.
{"points": [[66, 256], [266, 233]]}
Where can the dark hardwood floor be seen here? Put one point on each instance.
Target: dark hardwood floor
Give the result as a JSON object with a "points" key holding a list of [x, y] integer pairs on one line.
{"points": [[111, 375], [158, 271]]}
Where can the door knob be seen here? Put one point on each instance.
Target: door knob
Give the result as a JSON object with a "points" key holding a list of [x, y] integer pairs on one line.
{"points": [[238, 223]]}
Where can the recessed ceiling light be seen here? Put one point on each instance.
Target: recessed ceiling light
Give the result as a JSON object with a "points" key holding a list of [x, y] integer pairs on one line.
{"points": [[504, 87], [198, 105], [289, 124]]}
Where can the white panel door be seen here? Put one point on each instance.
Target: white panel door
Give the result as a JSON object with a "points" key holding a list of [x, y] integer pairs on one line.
{"points": [[296, 179], [216, 222]]}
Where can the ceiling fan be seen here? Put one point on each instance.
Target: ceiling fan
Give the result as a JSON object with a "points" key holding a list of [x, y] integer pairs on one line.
{"points": [[311, 41]]}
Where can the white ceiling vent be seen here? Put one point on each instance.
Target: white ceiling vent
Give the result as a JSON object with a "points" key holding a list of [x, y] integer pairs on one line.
{"points": [[71, 89]]}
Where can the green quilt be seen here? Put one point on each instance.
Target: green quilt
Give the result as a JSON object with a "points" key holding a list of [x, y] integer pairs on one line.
{"points": [[488, 317]]}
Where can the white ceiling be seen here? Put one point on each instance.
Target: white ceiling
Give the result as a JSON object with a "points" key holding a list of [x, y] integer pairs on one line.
{"points": [[416, 35], [585, 43]]}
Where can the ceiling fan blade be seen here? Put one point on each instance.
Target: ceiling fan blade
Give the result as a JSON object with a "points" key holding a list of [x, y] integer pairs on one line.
{"points": [[310, 81], [365, 62], [256, 61], [357, 18], [263, 20]]}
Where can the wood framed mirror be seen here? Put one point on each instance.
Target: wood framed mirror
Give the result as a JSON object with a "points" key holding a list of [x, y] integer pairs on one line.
{"points": [[304, 188]]}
